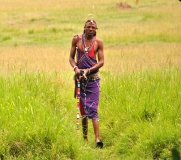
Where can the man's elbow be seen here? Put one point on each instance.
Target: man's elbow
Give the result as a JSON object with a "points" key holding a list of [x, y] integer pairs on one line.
{"points": [[102, 63]]}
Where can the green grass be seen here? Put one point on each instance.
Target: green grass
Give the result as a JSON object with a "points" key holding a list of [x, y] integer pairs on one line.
{"points": [[56, 25], [139, 112], [140, 96]]}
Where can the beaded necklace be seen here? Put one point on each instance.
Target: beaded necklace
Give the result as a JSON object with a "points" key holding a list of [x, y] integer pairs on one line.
{"points": [[87, 49]]}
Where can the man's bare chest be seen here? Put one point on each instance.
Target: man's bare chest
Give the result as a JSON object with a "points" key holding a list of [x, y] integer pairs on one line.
{"points": [[82, 46]]}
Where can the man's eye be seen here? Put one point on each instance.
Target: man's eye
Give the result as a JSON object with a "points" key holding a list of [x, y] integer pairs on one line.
{"points": [[91, 27]]}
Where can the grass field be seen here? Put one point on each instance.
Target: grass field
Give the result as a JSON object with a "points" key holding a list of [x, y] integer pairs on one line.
{"points": [[140, 113]]}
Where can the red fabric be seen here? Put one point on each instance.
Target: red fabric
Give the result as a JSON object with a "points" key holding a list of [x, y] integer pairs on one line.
{"points": [[91, 52], [82, 110]]}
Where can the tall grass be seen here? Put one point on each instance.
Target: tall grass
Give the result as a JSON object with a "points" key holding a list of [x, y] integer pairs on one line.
{"points": [[139, 112], [140, 99], [151, 100], [34, 111]]}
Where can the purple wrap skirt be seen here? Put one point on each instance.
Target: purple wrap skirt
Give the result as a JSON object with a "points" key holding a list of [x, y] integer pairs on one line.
{"points": [[89, 97]]}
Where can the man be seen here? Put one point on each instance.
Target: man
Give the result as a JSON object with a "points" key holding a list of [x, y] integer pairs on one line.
{"points": [[88, 50]]}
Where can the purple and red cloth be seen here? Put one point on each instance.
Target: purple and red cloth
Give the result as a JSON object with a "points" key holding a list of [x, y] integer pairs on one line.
{"points": [[89, 88]]}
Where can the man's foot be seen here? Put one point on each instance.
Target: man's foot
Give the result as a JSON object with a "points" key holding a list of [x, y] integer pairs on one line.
{"points": [[99, 144], [85, 137]]}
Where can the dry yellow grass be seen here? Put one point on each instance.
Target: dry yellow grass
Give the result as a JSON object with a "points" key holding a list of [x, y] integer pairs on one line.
{"points": [[16, 4], [117, 59], [33, 59], [142, 57]]}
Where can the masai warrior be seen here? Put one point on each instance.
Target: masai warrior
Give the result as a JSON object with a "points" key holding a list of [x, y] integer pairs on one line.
{"points": [[86, 58]]}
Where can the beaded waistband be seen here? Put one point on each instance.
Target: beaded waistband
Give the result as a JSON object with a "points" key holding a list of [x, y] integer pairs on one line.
{"points": [[92, 76]]}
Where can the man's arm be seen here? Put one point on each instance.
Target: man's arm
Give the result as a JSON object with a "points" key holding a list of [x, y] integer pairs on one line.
{"points": [[72, 55]]}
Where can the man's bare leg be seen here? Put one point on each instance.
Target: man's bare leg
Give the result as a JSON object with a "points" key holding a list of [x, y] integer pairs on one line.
{"points": [[85, 128], [96, 129], [95, 123]]}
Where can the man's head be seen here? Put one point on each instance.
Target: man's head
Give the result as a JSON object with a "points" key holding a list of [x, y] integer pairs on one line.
{"points": [[90, 27]]}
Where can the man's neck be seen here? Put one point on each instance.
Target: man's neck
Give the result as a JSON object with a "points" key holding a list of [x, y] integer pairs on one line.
{"points": [[89, 37]]}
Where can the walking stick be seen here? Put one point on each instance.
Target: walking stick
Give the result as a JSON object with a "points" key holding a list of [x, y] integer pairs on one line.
{"points": [[78, 105], [78, 101]]}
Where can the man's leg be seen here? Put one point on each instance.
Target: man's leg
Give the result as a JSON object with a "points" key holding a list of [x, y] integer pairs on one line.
{"points": [[85, 128], [96, 129], [95, 123]]}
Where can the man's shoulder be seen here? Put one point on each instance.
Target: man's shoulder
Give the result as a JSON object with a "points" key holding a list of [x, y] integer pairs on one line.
{"points": [[77, 36], [99, 40]]}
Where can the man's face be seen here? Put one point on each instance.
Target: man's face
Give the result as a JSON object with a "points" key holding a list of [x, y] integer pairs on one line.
{"points": [[90, 28]]}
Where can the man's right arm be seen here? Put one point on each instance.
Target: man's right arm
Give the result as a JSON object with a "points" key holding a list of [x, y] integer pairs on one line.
{"points": [[72, 52], [72, 55]]}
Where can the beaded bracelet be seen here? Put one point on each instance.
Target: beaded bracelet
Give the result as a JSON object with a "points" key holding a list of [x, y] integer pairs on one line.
{"points": [[88, 70], [75, 67]]}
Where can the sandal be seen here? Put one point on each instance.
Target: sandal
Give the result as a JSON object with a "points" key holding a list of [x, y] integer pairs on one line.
{"points": [[99, 144]]}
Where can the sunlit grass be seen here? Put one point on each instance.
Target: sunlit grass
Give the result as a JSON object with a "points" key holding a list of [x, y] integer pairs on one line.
{"points": [[147, 105], [125, 58], [55, 25]]}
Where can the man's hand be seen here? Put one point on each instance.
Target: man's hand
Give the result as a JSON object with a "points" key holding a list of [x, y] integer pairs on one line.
{"points": [[81, 74]]}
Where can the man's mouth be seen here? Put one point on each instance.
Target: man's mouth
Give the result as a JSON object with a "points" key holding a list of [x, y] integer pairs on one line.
{"points": [[90, 32]]}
